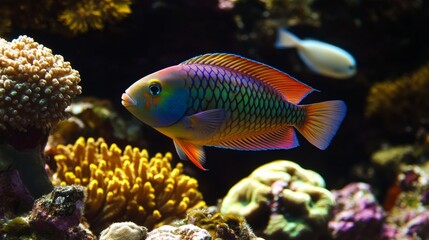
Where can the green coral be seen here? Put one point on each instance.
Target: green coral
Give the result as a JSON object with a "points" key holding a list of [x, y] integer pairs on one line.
{"points": [[284, 200], [400, 102], [18, 228]]}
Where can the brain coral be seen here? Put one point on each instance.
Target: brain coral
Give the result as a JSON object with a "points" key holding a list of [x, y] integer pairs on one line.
{"points": [[35, 85], [282, 200], [126, 186]]}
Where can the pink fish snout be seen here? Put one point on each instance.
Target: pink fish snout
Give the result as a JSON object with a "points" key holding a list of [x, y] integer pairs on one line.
{"points": [[127, 101]]}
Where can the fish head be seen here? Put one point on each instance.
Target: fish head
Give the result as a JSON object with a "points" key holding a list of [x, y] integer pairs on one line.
{"points": [[159, 99], [347, 67]]}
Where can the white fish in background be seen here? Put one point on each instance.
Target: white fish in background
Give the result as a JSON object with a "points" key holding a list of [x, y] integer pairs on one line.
{"points": [[323, 58]]}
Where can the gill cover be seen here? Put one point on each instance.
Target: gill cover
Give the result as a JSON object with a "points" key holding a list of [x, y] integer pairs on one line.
{"points": [[161, 97]]}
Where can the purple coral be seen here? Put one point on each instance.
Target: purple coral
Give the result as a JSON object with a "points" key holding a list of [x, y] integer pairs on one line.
{"points": [[357, 214], [59, 214], [407, 223], [409, 218]]}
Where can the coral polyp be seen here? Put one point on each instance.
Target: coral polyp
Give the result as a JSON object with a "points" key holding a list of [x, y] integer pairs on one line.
{"points": [[35, 85]]}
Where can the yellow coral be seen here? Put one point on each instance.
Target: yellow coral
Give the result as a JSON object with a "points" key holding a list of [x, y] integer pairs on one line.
{"points": [[92, 14], [400, 101], [126, 186], [65, 16], [83, 16]]}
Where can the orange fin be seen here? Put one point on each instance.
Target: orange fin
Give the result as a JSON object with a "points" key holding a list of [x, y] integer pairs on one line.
{"points": [[192, 152], [293, 90], [284, 138], [322, 122], [205, 124]]}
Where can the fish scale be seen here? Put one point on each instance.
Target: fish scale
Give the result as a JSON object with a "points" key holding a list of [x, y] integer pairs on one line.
{"points": [[250, 104]]}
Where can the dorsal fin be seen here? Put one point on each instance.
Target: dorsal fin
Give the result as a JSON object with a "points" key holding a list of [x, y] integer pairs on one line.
{"points": [[293, 90]]}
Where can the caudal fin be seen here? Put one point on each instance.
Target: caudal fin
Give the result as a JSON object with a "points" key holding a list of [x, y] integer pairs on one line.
{"points": [[322, 122], [286, 39]]}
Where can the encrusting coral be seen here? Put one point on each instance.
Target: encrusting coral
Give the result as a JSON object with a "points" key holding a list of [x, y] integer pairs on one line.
{"points": [[409, 217], [123, 230], [356, 214], [284, 200], [126, 185], [184, 232], [57, 215], [36, 86], [221, 226], [401, 102]]}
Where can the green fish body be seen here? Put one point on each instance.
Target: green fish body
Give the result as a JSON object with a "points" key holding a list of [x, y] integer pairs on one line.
{"points": [[228, 101]]}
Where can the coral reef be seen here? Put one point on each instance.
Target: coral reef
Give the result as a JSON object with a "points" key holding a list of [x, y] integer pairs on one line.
{"points": [[58, 211], [124, 230], [356, 214], [93, 117], [407, 224], [220, 226], [409, 217], [35, 88], [184, 232], [291, 202], [388, 161], [126, 185], [68, 17], [57, 215], [402, 102]]}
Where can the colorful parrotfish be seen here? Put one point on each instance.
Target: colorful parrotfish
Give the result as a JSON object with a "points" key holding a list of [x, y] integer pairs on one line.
{"points": [[228, 101]]}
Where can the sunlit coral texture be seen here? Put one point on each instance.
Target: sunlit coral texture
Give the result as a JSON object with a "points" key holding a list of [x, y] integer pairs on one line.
{"points": [[126, 185]]}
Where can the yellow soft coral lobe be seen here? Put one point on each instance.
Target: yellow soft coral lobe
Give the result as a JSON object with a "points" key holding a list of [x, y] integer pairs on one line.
{"points": [[91, 14], [401, 102], [126, 185]]}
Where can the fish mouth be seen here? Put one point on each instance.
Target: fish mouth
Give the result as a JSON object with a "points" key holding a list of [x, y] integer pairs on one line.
{"points": [[127, 101]]}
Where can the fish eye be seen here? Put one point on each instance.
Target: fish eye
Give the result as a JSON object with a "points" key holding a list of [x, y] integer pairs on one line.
{"points": [[155, 88]]}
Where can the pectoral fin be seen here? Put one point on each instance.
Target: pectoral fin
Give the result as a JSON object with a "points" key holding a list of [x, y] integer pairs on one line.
{"points": [[192, 152], [205, 124]]}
